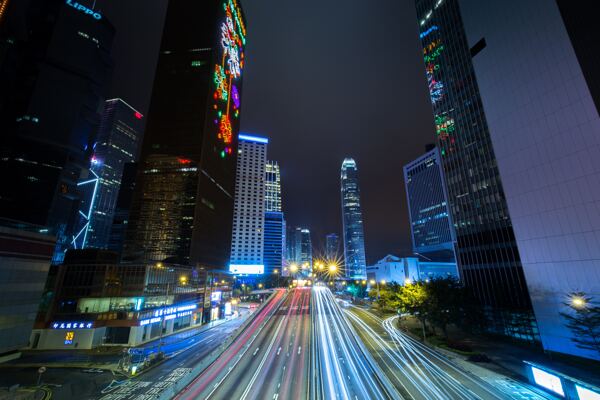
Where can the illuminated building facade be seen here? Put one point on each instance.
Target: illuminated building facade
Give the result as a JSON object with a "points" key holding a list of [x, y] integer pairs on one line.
{"points": [[305, 258], [161, 227], [274, 237], [431, 227], [247, 242], [536, 64], [116, 144], [102, 302], [272, 187], [194, 115], [354, 239], [332, 246], [55, 64], [488, 257]]}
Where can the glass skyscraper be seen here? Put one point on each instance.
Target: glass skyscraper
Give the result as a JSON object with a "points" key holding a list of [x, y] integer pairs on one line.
{"points": [[272, 186], [194, 117], [537, 64], [430, 224], [332, 246], [117, 144], [354, 240], [274, 231], [488, 257]]}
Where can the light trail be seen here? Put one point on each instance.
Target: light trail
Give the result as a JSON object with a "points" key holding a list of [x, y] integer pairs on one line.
{"points": [[417, 370], [347, 372]]}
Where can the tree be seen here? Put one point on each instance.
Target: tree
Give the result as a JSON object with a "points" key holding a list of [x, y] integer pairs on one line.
{"points": [[583, 320], [412, 299], [445, 302]]}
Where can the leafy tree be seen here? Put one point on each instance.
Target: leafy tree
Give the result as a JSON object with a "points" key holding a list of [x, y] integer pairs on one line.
{"points": [[445, 302], [583, 321], [413, 299]]}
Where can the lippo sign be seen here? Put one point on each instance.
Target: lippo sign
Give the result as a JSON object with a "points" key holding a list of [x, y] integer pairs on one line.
{"points": [[83, 9]]}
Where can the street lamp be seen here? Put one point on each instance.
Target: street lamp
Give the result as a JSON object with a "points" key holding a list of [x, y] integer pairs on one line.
{"points": [[578, 302]]}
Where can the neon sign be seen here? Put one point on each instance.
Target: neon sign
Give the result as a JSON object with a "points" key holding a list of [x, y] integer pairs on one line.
{"points": [[168, 313], [227, 73], [428, 31], [72, 325], [84, 9]]}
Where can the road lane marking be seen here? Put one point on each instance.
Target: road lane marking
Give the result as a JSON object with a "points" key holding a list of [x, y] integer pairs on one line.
{"points": [[279, 350], [256, 351], [299, 349]]}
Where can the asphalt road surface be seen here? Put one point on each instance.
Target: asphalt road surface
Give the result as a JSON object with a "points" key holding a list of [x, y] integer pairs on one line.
{"points": [[269, 361]]}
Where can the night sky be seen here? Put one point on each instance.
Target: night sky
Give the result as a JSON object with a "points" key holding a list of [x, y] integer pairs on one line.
{"points": [[324, 80]]}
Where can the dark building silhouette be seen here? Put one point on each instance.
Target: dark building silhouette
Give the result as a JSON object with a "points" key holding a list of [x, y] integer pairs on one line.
{"points": [[194, 118], [488, 257], [54, 66]]}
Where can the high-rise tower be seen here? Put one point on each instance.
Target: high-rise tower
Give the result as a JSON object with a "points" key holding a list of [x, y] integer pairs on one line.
{"points": [[488, 257], [274, 238], [430, 224], [354, 240], [55, 64], [536, 64], [193, 121], [332, 246], [117, 143], [247, 242]]}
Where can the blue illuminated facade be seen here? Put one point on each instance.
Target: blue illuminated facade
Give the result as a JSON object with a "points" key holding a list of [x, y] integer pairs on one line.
{"points": [[273, 241], [430, 223], [118, 140], [354, 241]]}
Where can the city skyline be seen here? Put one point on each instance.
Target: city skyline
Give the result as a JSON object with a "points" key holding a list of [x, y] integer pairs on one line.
{"points": [[272, 221]]}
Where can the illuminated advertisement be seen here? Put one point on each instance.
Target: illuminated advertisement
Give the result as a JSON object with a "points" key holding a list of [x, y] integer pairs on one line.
{"points": [[547, 380], [254, 269], [69, 336], [168, 313], [586, 394], [215, 296], [227, 74], [73, 325], [228, 308]]}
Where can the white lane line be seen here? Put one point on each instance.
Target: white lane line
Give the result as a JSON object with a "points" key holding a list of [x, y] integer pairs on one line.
{"points": [[255, 351], [299, 349], [279, 350]]}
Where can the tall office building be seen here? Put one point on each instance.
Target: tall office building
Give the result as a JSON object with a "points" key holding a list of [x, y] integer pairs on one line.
{"points": [[292, 244], [54, 67], [537, 68], [430, 224], [272, 187], [247, 241], [194, 118], [305, 258], [117, 144], [488, 257], [354, 239], [122, 208], [274, 240], [164, 218], [332, 246]]}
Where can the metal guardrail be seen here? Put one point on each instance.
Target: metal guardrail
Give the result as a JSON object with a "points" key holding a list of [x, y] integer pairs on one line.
{"points": [[174, 389]]}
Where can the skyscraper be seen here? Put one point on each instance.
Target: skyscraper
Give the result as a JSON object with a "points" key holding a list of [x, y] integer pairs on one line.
{"points": [[332, 246], [488, 257], [537, 67], [354, 241], [274, 238], [55, 63], [247, 242], [272, 186], [305, 258], [116, 144], [194, 118], [430, 224]]}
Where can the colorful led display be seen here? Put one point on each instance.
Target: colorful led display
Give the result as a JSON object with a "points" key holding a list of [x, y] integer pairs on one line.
{"points": [[227, 72]]}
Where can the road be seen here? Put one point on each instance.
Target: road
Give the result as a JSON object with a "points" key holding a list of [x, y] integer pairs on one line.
{"points": [[420, 373], [186, 353], [270, 361], [344, 368]]}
